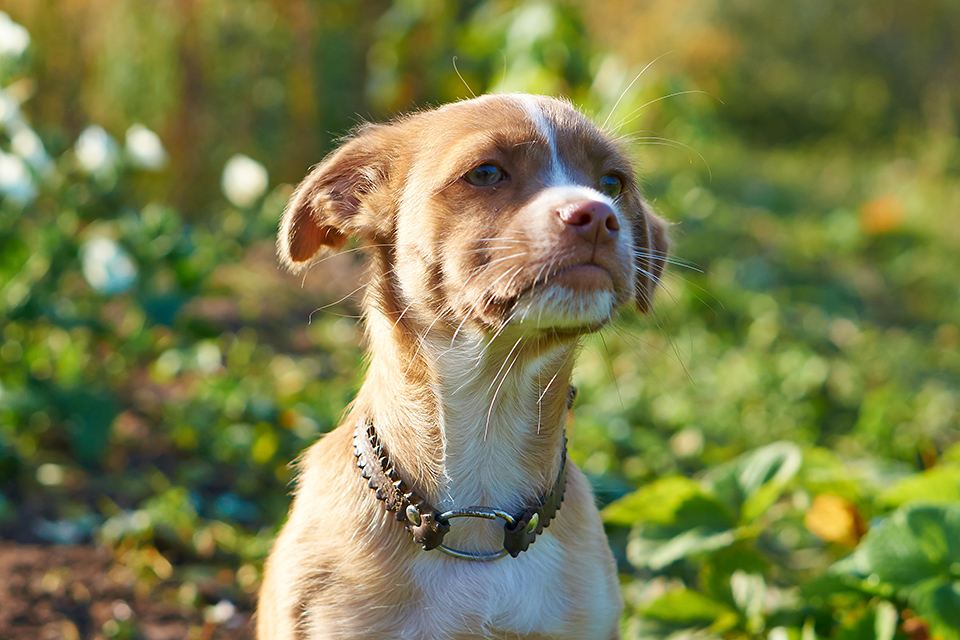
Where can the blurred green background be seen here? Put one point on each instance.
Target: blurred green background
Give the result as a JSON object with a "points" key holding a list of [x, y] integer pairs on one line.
{"points": [[158, 373]]}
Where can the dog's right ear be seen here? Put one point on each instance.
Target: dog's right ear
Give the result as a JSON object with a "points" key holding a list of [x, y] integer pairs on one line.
{"points": [[328, 206]]}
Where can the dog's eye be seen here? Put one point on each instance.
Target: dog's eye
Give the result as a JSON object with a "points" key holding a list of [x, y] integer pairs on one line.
{"points": [[485, 175], [611, 185]]}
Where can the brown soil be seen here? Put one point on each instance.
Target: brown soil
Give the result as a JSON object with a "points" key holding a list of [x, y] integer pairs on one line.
{"points": [[73, 593]]}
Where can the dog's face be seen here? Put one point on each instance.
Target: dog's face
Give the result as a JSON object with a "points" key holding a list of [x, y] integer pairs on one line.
{"points": [[502, 210]]}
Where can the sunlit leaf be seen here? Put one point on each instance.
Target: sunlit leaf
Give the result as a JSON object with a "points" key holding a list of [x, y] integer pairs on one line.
{"points": [[656, 502], [937, 485], [911, 546], [656, 547], [752, 483], [719, 567], [885, 624], [940, 607], [692, 608], [749, 593]]}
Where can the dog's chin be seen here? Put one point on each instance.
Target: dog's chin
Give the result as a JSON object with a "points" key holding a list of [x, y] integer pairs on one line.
{"points": [[568, 303]]}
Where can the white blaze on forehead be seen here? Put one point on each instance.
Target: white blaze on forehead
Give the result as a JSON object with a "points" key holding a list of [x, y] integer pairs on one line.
{"points": [[556, 174]]}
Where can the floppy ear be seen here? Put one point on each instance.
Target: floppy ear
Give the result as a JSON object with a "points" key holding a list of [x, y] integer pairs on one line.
{"points": [[329, 205], [650, 256]]}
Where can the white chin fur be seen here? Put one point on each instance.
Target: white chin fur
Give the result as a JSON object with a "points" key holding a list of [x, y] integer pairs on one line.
{"points": [[558, 307]]}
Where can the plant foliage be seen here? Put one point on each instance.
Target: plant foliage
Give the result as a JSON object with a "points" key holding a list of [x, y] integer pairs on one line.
{"points": [[776, 447]]}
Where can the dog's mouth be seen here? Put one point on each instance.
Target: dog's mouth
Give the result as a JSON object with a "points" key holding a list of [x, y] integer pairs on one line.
{"points": [[576, 277], [579, 296], [587, 277]]}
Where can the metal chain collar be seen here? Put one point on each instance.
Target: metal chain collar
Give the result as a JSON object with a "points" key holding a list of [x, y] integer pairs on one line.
{"points": [[428, 525]]}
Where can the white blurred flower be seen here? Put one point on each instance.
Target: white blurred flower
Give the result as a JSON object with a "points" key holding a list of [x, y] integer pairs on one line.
{"points": [[121, 610], [50, 475], [244, 180], [27, 144], [209, 357], [145, 148], [107, 267], [9, 110], [96, 150], [15, 180], [220, 612], [532, 22], [14, 39]]}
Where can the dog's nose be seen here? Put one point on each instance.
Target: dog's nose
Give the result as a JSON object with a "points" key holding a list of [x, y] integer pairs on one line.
{"points": [[594, 221]]}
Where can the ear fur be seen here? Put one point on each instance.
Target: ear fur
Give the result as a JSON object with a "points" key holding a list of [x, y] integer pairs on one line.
{"points": [[326, 208], [651, 255]]}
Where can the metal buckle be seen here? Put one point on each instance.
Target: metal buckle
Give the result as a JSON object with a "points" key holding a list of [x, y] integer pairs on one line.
{"points": [[487, 513]]}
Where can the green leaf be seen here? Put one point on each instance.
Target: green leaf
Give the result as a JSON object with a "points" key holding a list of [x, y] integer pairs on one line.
{"points": [[749, 592], [692, 608], [718, 568], [913, 545], [834, 584], [657, 502], [755, 481], [655, 547], [697, 524], [879, 623], [863, 628], [91, 414], [885, 623], [938, 485], [940, 606]]}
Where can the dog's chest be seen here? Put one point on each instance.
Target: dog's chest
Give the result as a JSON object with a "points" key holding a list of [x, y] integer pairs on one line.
{"points": [[511, 596]]}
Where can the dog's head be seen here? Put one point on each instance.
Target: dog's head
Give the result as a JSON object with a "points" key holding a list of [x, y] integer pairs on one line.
{"points": [[505, 209]]}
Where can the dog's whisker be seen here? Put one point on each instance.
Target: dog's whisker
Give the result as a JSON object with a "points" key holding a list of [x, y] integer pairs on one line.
{"points": [[517, 237], [659, 282], [420, 342], [487, 265], [643, 253], [333, 304], [640, 349], [472, 94], [633, 115], [666, 142], [608, 360], [402, 314], [603, 127], [490, 249], [539, 405], [493, 400], [480, 300], [506, 358]]}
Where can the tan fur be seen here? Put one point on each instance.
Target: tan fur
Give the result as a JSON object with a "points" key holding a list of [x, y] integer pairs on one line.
{"points": [[476, 301]]}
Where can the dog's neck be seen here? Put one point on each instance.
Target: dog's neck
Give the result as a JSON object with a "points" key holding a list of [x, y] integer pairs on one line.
{"points": [[469, 420]]}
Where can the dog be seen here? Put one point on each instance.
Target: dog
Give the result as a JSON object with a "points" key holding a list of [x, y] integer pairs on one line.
{"points": [[499, 230]]}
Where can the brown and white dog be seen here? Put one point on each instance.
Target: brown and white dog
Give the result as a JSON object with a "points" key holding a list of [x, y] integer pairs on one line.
{"points": [[499, 230]]}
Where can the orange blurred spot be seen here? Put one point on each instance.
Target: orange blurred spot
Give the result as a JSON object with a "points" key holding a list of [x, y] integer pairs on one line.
{"points": [[289, 418], [916, 629], [881, 215], [835, 519]]}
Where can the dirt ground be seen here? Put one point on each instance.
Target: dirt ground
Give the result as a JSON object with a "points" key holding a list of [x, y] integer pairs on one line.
{"points": [[74, 593]]}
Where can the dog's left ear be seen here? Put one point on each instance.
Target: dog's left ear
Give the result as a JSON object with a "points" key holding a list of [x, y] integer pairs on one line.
{"points": [[652, 245], [331, 204]]}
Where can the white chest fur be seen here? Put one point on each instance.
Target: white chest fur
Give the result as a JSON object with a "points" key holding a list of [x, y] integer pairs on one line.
{"points": [[522, 595], [518, 595]]}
